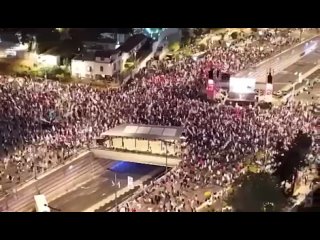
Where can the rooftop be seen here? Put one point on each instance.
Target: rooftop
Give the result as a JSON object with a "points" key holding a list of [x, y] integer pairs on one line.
{"points": [[63, 48], [91, 56], [131, 42], [106, 53], [87, 56], [145, 131], [100, 40]]}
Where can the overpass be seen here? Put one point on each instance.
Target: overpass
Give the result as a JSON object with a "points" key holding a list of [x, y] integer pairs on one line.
{"points": [[136, 158], [67, 177]]}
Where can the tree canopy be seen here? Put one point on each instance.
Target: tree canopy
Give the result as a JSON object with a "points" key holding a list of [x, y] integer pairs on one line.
{"points": [[289, 162], [255, 191]]}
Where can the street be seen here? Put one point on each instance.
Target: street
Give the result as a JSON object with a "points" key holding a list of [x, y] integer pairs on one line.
{"points": [[277, 63], [303, 66], [101, 187], [310, 95]]}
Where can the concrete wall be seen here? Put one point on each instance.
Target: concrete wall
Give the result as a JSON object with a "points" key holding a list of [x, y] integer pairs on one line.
{"points": [[138, 158], [80, 69]]}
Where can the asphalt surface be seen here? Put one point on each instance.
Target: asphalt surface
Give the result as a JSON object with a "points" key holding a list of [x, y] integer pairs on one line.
{"points": [[284, 59], [101, 187], [288, 76], [310, 94]]}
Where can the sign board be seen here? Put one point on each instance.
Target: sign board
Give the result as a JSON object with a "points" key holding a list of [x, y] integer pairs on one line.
{"points": [[130, 181]]}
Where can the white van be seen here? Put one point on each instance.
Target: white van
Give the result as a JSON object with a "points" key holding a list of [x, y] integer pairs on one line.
{"points": [[41, 203]]}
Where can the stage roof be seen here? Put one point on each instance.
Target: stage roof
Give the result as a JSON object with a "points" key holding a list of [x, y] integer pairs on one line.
{"points": [[145, 131]]}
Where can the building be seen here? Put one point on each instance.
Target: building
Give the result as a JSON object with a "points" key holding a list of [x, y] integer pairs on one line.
{"points": [[120, 35], [130, 47], [99, 44], [96, 65], [101, 59], [60, 54], [10, 46]]}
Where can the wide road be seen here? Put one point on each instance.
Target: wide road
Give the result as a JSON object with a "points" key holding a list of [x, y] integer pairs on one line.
{"points": [[304, 65], [278, 62], [101, 187], [310, 93]]}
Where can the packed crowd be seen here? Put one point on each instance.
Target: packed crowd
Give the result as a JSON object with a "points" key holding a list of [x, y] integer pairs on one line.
{"points": [[219, 138], [44, 123]]}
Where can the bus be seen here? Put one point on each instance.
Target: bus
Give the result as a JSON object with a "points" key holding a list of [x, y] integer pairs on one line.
{"points": [[41, 203]]}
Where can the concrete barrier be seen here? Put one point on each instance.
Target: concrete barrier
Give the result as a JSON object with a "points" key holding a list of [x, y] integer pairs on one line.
{"points": [[137, 158]]}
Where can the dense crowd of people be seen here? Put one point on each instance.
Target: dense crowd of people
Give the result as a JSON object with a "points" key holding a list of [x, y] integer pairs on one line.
{"points": [[42, 123], [219, 138]]}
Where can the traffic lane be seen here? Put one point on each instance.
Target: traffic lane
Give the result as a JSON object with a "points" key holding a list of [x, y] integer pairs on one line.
{"points": [[315, 75], [284, 55], [303, 66], [288, 76], [284, 79], [313, 97], [100, 187]]}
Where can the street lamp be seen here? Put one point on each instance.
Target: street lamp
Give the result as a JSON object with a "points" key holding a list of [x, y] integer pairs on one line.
{"points": [[294, 84], [115, 183], [182, 138], [166, 146]]}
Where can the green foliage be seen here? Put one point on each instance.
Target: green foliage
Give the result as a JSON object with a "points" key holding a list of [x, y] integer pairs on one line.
{"points": [[291, 161], [254, 191], [202, 47], [174, 47], [234, 35]]}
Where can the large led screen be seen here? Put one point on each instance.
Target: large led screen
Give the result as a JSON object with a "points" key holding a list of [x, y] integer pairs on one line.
{"points": [[242, 85]]}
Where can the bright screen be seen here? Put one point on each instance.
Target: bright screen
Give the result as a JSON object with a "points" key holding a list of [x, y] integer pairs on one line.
{"points": [[242, 85]]}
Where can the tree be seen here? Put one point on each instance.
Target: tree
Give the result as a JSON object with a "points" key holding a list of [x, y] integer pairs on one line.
{"points": [[234, 35], [223, 34], [174, 46], [288, 163], [202, 47], [257, 192], [300, 34]]}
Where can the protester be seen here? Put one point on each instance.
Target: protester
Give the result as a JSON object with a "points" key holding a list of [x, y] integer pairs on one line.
{"points": [[43, 123]]}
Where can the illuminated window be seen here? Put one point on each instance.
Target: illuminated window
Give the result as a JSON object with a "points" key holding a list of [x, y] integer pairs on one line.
{"points": [[101, 68]]}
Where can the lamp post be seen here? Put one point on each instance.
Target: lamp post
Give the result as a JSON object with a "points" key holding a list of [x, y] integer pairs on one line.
{"points": [[294, 84], [166, 148], [182, 138], [166, 156], [115, 185], [300, 34]]}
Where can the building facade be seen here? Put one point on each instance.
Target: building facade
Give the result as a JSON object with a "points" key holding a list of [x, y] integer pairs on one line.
{"points": [[96, 65], [98, 62]]}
